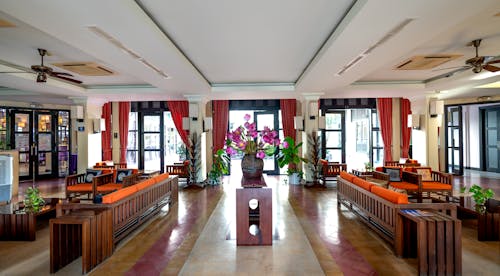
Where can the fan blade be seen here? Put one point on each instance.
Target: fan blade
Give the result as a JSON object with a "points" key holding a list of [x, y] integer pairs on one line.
{"points": [[68, 79], [491, 68], [493, 61], [454, 67], [55, 74]]}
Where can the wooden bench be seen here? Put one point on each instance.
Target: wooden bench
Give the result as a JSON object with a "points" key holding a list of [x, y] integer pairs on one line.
{"points": [[179, 169], [380, 214], [331, 170], [130, 212]]}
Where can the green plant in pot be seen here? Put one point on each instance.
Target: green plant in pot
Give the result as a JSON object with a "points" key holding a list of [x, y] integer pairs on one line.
{"points": [[480, 196], [220, 166], [33, 202], [289, 155]]}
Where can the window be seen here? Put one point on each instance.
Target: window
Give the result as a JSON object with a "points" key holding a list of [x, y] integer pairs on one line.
{"points": [[132, 146], [377, 143]]}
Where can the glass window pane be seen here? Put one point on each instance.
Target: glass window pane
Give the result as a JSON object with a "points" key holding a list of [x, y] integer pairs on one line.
{"points": [[377, 139], [22, 141], [456, 137], [22, 123], [24, 164], [492, 158], [492, 119], [334, 155], [132, 159], [333, 121], [132, 140], [44, 121], [44, 163], [333, 139], [152, 123], [152, 141], [455, 118], [492, 137], [132, 121], [3, 119], [44, 142], [264, 120], [174, 150], [152, 160], [375, 123]]}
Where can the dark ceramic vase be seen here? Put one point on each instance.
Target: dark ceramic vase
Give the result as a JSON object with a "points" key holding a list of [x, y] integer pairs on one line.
{"points": [[252, 166]]}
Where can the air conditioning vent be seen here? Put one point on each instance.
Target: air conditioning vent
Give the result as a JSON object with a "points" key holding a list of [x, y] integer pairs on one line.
{"points": [[85, 68], [425, 62]]}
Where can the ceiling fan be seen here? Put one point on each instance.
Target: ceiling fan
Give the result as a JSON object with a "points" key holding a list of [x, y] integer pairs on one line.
{"points": [[478, 63], [44, 71]]}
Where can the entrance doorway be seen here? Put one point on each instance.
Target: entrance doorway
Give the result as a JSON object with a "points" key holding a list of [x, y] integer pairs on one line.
{"points": [[271, 119], [491, 137], [454, 147]]}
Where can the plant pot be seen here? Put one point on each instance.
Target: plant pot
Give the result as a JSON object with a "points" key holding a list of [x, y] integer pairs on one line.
{"points": [[294, 179], [252, 166]]}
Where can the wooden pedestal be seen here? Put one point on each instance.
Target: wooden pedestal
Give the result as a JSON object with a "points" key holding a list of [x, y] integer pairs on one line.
{"points": [[260, 218], [86, 233]]}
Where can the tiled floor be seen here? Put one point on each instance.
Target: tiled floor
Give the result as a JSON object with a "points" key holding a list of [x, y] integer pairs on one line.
{"points": [[312, 236]]}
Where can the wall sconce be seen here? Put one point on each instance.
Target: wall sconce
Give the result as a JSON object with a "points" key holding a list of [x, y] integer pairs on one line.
{"points": [[193, 111], [99, 125], [313, 110], [298, 122], [185, 123], [321, 122], [207, 123], [414, 121], [436, 108]]}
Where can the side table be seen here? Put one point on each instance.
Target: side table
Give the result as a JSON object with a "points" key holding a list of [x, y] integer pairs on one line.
{"points": [[260, 217]]}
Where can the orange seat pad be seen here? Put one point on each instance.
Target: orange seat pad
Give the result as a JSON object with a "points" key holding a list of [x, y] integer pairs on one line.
{"points": [[347, 176], [80, 188], [433, 185], [404, 185], [109, 187], [392, 196], [362, 183]]}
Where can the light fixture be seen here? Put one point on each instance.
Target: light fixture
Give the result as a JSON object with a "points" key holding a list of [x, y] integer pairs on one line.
{"points": [[414, 121], [313, 110], [41, 77], [185, 123], [193, 111], [298, 122], [207, 123], [436, 108]]}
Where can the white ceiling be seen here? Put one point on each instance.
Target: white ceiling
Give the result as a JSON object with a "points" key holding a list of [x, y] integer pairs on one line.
{"points": [[234, 49]]}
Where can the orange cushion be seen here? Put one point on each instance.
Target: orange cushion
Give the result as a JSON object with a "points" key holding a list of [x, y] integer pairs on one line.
{"points": [[391, 196], [323, 162], [379, 169], [408, 169], [347, 176], [404, 185], [146, 183], [161, 177], [109, 187], [122, 193], [362, 183], [80, 188], [433, 185]]}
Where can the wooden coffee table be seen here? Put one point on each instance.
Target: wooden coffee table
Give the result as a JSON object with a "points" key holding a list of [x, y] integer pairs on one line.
{"points": [[15, 225]]}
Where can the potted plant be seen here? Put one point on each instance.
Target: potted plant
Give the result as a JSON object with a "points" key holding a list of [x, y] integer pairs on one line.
{"points": [[289, 155], [480, 196], [33, 202], [220, 166]]}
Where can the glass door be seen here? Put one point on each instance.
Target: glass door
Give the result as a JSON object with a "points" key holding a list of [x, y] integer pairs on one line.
{"points": [[4, 141], [152, 142], [454, 147], [62, 141], [269, 119], [492, 139], [44, 141], [23, 142], [334, 137]]}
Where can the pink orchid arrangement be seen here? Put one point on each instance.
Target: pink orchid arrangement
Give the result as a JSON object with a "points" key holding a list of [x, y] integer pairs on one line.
{"points": [[247, 139]]}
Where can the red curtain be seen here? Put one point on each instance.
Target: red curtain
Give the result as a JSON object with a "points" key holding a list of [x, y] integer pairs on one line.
{"points": [[384, 107], [220, 122], [107, 153], [179, 109], [124, 110], [405, 130], [288, 111]]}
